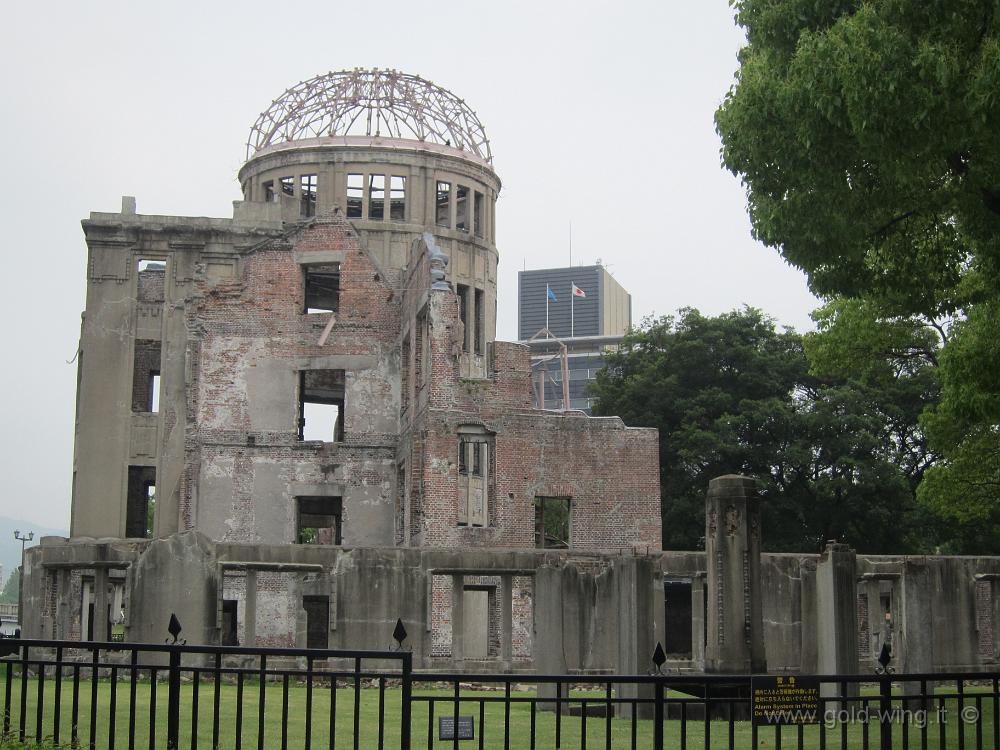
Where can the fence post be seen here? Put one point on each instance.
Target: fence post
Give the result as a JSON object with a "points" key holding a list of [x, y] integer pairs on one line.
{"points": [[658, 715], [174, 698], [885, 712], [404, 729]]}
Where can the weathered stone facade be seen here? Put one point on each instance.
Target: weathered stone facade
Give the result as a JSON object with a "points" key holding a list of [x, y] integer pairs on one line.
{"points": [[354, 291]]}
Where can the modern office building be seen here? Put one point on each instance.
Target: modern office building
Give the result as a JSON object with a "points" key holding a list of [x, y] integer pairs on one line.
{"points": [[581, 307]]}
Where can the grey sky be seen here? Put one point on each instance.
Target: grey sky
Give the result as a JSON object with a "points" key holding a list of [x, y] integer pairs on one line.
{"points": [[599, 113]]}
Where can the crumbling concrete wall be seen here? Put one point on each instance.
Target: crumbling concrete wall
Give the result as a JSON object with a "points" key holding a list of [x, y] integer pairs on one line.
{"points": [[252, 340]]}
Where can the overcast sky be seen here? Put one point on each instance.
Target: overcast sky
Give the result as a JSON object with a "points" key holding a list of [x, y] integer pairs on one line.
{"points": [[599, 114]]}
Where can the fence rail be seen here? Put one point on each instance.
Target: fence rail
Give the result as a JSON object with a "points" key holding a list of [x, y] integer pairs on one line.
{"points": [[117, 695]]}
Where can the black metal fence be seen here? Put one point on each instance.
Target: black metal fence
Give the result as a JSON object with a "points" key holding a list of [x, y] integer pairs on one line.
{"points": [[115, 695]]}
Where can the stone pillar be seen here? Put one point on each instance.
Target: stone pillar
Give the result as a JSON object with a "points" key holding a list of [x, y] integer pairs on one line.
{"points": [[250, 610], [698, 621], [101, 605], [914, 628], [550, 655], [735, 642], [507, 619], [836, 611], [458, 620], [636, 626]]}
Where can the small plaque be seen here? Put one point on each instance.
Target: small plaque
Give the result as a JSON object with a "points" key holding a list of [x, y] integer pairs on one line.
{"points": [[466, 728], [785, 699]]}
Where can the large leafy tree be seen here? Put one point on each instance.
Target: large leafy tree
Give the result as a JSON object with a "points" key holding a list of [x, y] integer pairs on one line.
{"points": [[732, 394], [865, 134]]}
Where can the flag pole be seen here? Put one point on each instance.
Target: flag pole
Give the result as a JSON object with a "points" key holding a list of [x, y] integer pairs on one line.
{"points": [[546, 307], [571, 299]]}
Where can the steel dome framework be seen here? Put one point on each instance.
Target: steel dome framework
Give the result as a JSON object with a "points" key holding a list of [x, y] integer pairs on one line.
{"points": [[370, 102]]}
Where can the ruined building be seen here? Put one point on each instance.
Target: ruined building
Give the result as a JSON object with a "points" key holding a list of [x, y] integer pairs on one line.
{"points": [[295, 426], [320, 374]]}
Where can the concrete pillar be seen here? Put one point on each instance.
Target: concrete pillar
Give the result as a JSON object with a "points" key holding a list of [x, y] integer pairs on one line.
{"points": [[550, 655], [735, 642], [808, 616], [506, 619], [836, 611], [635, 628], [698, 622], [914, 628], [101, 605], [250, 610], [458, 619]]}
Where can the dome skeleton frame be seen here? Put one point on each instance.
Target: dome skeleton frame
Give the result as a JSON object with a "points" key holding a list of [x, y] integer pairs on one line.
{"points": [[370, 102]]}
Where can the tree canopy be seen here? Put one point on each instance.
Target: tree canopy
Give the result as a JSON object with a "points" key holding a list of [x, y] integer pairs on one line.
{"points": [[835, 458], [865, 135]]}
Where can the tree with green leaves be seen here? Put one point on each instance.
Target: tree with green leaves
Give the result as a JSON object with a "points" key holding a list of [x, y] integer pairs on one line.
{"points": [[865, 134], [732, 394]]}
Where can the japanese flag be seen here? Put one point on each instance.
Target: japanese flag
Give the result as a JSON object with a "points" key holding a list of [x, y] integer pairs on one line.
{"points": [[578, 292]]}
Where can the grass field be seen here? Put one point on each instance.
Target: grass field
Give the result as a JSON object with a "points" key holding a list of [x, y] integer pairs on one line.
{"points": [[692, 733]]}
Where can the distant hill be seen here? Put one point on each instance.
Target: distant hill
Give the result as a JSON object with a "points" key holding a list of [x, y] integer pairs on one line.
{"points": [[10, 549]]}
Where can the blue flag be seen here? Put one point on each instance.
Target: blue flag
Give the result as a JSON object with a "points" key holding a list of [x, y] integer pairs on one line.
{"points": [[549, 294]]}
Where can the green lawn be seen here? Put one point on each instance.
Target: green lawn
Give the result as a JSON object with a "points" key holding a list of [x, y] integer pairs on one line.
{"points": [[520, 720]]}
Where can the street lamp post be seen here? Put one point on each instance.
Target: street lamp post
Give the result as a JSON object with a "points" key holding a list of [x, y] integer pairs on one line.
{"points": [[23, 539]]}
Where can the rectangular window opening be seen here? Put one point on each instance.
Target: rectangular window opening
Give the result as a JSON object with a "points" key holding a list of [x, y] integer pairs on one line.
{"points": [[269, 191], [473, 470], [317, 621], [480, 330], [397, 198], [140, 502], [678, 617], [442, 206], [230, 623], [287, 185], [146, 376], [321, 405], [376, 197], [152, 277], [477, 214], [552, 522], [463, 313], [319, 520], [307, 195], [355, 195], [322, 288], [462, 208]]}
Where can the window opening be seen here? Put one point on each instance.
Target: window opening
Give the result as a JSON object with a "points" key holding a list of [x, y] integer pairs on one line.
{"points": [[307, 195], [404, 371], [268, 193], [442, 213], [463, 314], [229, 623], [480, 312], [355, 195], [677, 617], [319, 520], [473, 471], [477, 214], [288, 186], [146, 376], [376, 197], [322, 288], [317, 621], [140, 502], [151, 280], [552, 522], [321, 405], [462, 208], [397, 198]]}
